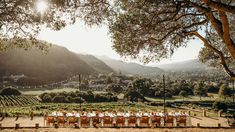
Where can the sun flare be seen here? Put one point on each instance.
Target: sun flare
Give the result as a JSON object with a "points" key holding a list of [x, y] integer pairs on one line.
{"points": [[42, 6]]}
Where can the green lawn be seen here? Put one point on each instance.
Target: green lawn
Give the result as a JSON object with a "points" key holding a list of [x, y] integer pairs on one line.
{"points": [[57, 90], [117, 106], [114, 106], [40, 109], [190, 98], [40, 91]]}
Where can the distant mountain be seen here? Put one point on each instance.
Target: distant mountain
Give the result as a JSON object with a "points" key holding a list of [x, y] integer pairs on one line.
{"points": [[58, 64], [130, 68], [95, 63], [186, 66]]}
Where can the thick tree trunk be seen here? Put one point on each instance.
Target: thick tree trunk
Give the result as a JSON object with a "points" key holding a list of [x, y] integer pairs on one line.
{"points": [[221, 26], [222, 29], [226, 34]]}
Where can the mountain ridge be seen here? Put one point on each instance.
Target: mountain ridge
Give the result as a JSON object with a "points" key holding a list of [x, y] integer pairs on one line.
{"points": [[95, 63], [58, 64], [129, 67], [185, 66]]}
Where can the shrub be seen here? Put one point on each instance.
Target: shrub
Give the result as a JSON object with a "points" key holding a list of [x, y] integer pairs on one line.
{"points": [[168, 95], [10, 91], [69, 99], [59, 99], [46, 98], [78, 100], [168, 104], [220, 106], [115, 88], [134, 96], [74, 97], [43, 94], [212, 89], [113, 98]]}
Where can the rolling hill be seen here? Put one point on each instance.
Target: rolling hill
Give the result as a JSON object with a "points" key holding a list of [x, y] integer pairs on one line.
{"points": [[130, 68], [95, 63], [186, 66], [58, 64]]}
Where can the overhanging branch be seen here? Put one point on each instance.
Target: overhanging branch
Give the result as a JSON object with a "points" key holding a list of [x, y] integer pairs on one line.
{"points": [[220, 6], [219, 53], [226, 33]]}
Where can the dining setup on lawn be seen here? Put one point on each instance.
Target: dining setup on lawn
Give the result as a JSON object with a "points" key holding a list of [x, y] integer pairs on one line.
{"points": [[115, 119]]}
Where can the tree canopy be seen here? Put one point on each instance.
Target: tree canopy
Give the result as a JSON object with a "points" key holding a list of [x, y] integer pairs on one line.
{"points": [[200, 89], [225, 91], [10, 91], [154, 29], [183, 94], [144, 29], [20, 21]]}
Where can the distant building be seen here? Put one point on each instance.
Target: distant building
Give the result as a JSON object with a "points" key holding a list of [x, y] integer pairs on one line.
{"points": [[14, 78]]}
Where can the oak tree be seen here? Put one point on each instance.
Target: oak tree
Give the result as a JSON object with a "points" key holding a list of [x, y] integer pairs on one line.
{"points": [[224, 91], [200, 89], [145, 29], [154, 29], [183, 94], [21, 21]]}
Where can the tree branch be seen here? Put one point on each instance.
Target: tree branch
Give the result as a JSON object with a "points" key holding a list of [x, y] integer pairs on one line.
{"points": [[220, 6], [219, 53], [226, 34]]}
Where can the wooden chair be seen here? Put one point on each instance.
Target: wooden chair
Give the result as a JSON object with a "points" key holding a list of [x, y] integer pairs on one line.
{"points": [[156, 120], [144, 120], [96, 121], [72, 120], [181, 120], [107, 120], [50, 120], [120, 120], [60, 120], [132, 120], [85, 121], [169, 120]]}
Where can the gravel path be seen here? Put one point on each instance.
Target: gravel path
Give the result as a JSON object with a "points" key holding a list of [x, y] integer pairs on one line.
{"points": [[120, 130]]}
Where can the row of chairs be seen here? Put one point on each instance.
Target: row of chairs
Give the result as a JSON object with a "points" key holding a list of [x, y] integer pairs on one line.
{"points": [[118, 121]]}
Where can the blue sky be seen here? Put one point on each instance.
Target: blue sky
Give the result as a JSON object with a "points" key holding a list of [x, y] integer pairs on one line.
{"points": [[96, 41]]}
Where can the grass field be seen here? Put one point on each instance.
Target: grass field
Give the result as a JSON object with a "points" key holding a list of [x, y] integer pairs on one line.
{"points": [[210, 97], [40, 91], [55, 90], [120, 96], [117, 106], [40, 109]]}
